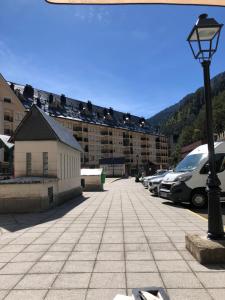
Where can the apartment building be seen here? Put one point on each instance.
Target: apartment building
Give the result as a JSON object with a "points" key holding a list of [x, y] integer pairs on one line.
{"points": [[102, 132]]}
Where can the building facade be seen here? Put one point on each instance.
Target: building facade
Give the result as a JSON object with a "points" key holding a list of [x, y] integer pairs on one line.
{"points": [[102, 133], [47, 166]]}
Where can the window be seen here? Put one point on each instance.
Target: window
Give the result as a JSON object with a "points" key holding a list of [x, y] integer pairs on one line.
{"points": [[28, 163], [7, 100], [219, 164], [45, 163]]}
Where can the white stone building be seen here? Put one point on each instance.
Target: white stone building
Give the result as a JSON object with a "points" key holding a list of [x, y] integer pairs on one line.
{"points": [[46, 164]]}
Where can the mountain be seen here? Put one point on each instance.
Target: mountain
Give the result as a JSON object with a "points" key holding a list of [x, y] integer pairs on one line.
{"points": [[189, 113]]}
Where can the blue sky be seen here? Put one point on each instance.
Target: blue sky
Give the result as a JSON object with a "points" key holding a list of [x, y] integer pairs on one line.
{"points": [[132, 58]]}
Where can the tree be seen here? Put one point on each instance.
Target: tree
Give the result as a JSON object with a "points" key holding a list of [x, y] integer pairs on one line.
{"points": [[28, 91], [63, 100], [89, 106], [50, 99]]}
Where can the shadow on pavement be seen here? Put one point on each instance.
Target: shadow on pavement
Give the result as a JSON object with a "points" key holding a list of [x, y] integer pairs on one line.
{"points": [[15, 222], [203, 212]]}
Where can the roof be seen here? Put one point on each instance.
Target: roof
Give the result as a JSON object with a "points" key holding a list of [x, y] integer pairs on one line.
{"points": [[62, 133], [71, 110], [44, 127], [91, 172], [5, 140]]}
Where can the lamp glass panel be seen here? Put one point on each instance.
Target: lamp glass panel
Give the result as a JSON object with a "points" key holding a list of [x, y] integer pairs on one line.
{"points": [[206, 33]]}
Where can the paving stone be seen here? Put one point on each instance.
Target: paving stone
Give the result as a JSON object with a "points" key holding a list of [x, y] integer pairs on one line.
{"points": [[112, 237], [162, 246], [217, 294], [197, 267], [12, 248], [36, 248], [86, 247], [78, 267], [181, 280], [136, 247], [78, 294], [141, 266], [125, 210], [72, 281], [8, 281], [107, 280], [173, 266], [55, 256], [27, 257], [6, 257], [186, 255], [61, 247], [36, 281], [109, 266], [212, 280], [3, 294], [135, 280], [167, 255], [158, 239], [111, 247], [47, 267], [104, 294], [188, 294], [16, 268], [26, 294], [90, 255], [139, 255], [107, 255]]}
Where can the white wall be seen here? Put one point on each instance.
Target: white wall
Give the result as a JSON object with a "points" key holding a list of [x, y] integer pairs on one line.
{"points": [[63, 162], [68, 167], [36, 148]]}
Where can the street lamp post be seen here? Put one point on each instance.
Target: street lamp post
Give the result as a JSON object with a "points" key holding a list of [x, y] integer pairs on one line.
{"points": [[137, 156], [203, 41]]}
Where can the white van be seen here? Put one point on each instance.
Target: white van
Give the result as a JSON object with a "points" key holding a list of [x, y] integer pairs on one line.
{"points": [[187, 183]]}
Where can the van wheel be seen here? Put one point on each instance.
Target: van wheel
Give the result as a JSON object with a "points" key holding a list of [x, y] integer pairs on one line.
{"points": [[199, 199]]}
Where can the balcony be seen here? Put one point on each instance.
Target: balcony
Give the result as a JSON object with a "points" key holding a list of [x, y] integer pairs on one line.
{"points": [[8, 131], [126, 152], [106, 151], [106, 142], [8, 118], [104, 133], [77, 128]]}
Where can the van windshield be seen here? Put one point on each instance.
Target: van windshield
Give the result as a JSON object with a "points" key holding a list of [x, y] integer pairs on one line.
{"points": [[189, 163]]}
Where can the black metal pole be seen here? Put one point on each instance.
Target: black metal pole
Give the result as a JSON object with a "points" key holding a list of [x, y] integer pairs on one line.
{"points": [[215, 222]]}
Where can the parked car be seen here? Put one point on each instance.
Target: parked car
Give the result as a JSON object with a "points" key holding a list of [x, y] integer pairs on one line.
{"points": [[158, 173], [153, 184], [188, 181]]}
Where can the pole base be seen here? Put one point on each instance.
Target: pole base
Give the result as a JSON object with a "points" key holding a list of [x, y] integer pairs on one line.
{"points": [[216, 237], [204, 250]]}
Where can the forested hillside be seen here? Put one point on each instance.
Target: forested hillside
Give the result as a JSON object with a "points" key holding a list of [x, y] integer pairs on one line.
{"points": [[186, 119]]}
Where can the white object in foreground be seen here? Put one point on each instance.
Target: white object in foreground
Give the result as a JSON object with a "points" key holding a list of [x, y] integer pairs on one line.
{"points": [[148, 296]]}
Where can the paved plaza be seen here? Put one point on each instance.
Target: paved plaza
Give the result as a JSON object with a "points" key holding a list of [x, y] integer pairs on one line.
{"points": [[102, 244]]}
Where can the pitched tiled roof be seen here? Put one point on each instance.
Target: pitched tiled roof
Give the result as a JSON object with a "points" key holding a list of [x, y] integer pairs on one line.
{"points": [[62, 133], [71, 110]]}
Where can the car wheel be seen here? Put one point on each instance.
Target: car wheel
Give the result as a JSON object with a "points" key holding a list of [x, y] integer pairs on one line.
{"points": [[199, 199]]}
